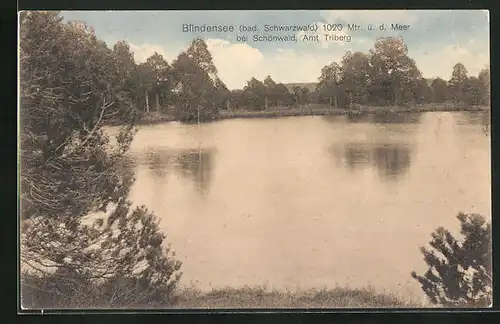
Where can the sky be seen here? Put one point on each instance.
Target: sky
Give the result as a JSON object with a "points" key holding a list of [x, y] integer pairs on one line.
{"points": [[436, 39]]}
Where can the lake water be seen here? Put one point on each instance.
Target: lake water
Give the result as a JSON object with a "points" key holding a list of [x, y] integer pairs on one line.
{"points": [[312, 202]]}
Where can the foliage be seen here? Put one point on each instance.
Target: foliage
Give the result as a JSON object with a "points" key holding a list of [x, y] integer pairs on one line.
{"points": [[71, 86], [195, 83], [459, 273], [115, 262], [254, 93], [329, 81], [356, 76], [484, 77], [439, 90], [190, 88]]}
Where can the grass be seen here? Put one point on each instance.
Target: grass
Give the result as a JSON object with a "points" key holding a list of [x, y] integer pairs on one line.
{"points": [[41, 295], [152, 118], [63, 292], [260, 297], [155, 117], [319, 110]]}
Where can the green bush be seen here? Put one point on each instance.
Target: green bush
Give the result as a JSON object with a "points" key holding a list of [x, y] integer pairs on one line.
{"points": [[71, 255], [459, 273]]}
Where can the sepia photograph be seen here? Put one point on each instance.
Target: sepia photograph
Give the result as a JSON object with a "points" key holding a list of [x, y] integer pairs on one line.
{"points": [[271, 159]]}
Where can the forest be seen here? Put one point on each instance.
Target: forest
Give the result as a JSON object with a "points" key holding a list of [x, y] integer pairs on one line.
{"points": [[190, 87]]}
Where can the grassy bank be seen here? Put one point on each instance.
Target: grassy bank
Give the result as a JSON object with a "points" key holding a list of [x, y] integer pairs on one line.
{"points": [[260, 297], [59, 292], [315, 110], [325, 111]]}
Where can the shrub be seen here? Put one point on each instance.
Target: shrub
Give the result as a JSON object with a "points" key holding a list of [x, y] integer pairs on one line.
{"points": [[459, 273], [70, 87], [121, 263]]}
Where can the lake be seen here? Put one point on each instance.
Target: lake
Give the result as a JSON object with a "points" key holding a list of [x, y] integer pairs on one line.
{"points": [[312, 202]]}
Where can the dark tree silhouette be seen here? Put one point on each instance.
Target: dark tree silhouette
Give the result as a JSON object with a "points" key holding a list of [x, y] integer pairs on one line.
{"points": [[460, 274], [71, 84]]}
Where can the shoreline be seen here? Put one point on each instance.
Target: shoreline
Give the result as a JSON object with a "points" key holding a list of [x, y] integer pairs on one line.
{"points": [[156, 118], [256, 296], [261, 297]]}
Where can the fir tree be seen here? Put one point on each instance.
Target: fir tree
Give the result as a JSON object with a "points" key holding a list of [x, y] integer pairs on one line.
{"points": [[459, 273]]}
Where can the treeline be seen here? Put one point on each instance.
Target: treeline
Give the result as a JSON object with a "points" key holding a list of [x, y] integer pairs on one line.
{"points": [[386, 76], [190, 89]]}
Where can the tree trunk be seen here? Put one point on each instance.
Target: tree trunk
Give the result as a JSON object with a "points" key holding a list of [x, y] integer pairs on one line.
{"points": [[336, 101], [147, 101], [157, 101], [265, 104], [330, 101]]}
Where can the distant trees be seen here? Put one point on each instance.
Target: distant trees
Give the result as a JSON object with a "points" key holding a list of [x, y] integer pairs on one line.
{"points": [[356, 77], [439, 90], [484, 77], [459, 273], [385, 76], [394, 74], [159, 83], [388, 76], [258, 95], [196, 86], [255, 94], [189, 88], [457, 82], [328, 87]]}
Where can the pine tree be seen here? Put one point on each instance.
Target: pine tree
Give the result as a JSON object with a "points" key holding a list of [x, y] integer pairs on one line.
{"points": [[72, 253], [459, 273]]}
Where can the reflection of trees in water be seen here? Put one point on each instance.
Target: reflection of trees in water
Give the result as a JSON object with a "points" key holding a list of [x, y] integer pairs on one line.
{"points": [[358, 118], [196, 164], [354, 155], [384, 118], [158, 162], [395, 118], [391, 160], [476, 118]]}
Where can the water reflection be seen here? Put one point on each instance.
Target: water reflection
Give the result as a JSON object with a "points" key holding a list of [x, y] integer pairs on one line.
{"points": [[391, 160], [158, 162], [353, 155], [267, 171], [475, 118], [196, 164], [396, 118], [358, 118], [384, 118]]}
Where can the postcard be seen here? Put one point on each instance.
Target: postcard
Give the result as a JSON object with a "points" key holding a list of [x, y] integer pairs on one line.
{"points": [[254, 159]]}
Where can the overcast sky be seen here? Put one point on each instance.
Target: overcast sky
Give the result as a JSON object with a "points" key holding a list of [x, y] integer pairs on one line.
{"points": [[436, 39]]}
